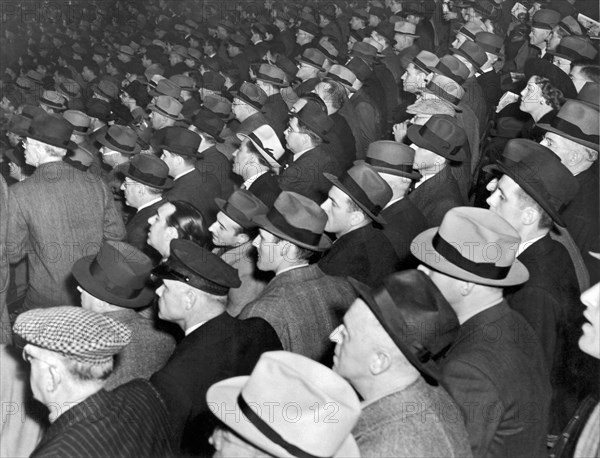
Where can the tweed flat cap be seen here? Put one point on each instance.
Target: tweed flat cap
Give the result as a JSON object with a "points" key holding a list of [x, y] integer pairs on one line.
{"points": [[77, 334]]}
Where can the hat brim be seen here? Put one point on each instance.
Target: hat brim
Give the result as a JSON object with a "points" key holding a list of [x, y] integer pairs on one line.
{"points": [[312, 64], [453, 105], [102, 140], [415, 175], [263, 222], [549, 128], [70, 145], [336, 182], [422, 243], [222, 203], [153, 107], [226, 393], [350, 88], [415, 137], [168, 184], [81, 272]]}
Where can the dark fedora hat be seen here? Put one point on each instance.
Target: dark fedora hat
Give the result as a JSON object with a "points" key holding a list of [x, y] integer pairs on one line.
{"points": [[442, 135], [309, 27], [471, 51], [272, 74], [365, 51], [209, 123], [51, 129], [149, 170], [386, 30], [119, 138], [540, 173], [590, 94], [575, 48], [297, 219], [313, 57], [180, 140], [360, 68], [241, 207], [99, 109], [393, 158], [118, 274], [365, 187], [167, 106], [166, 87], [545, 19], [198, 267], [558, 78], [315, 119], [417, 317], [453, 68], [490, 42], [577, 121], [446, 89], [251, 94]]}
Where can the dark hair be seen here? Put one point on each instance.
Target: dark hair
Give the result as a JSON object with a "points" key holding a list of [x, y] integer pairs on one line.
{"points": [[189, 223], [588, 69], [304, 254], [526, 200], [553, 96]]}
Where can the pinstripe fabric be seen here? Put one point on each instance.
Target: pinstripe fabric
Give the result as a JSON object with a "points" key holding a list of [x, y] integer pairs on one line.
{"points": [[128, 422]]}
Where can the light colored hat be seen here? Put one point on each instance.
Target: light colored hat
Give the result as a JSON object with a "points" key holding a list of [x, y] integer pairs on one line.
{"points": [[167, 106], [267, 143], [281, 380], [54, 100], [342, 75], [475, 245], [446, 89], [77, 334], [405, 28]]}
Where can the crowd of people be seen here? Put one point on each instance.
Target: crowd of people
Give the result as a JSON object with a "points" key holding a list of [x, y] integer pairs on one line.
{"points": [[300, 228]]}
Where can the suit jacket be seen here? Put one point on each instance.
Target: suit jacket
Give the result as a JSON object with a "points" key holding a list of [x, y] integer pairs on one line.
{"points": [[490, 86], [276, 112], [5, 326], [305, 174], [200, 190], [420, 420], [437, 195], [214, 162], [404, 222], [344, 133], [266, 188], [138, 227], [496, 372], [474, 99], [129, 421], [55, 217], [147, 352], [304, 306], [307, 86], [364, 254], [221, 348], [369, 122]]}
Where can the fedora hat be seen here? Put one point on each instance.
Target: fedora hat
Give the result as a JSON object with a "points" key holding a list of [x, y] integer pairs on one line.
{"points": [[51, 129], [570, 25], [106, 88], [577, 121], [127, 50], [545, 19], [198, 267], [119, 138], [393, 158], [54, 100], [265, 139], [184, 82], [315, 119], [386, 30], [278, 378], [180, 140], [446, 89], [490, 42], [590, 94], [237, 39], [79, 120], [150, 171], [272, 74], [425, 61], [219, 105], [471, 51], [405, 28], [469, 30], [167, 106], [342, 75], [360, 68], [118, 274], [194, 54], [213, 81], [18, 124], [166, 87], [34, 76], [297, 219], [409, 301], [69, 88], [360, 13], [309, 27], [575, 48], [100, 109], [179, 50], [251, 94], [329, 49], [442, 135], [209, 123], [241, 207], [474, 245], [365, 51], [540, 173], [452, 67], [365, 187], [313, 57]]}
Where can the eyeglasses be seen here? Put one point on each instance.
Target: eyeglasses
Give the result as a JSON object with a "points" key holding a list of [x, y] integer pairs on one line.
{"points": [[165, 272]]}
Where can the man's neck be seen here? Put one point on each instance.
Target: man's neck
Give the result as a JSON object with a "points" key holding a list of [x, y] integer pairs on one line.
{"points": [[364, 223], [203, 317], [392, 383], [77, 394], [540, 111]]}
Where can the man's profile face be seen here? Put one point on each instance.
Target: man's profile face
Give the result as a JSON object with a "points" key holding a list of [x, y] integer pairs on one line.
{"points": [[269, 251], [336, 207], [225, 231], [504, 201], [171, 300], [159, 236]]}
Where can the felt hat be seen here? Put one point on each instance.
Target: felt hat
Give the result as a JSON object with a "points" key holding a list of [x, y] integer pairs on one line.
{"points": [[309, 27], [34, 76], [360, 68], [365, 51], [453, 68], [575, 48], [219, 105], [149, 170], [490, 42], [265, 140], [251, 94], [313, 57], [377, 11], [545, 19], [118, 274], [183, 82], [79, 120], [272, 74], [577, 121], [471, 51], [315, 119], [417, 317], [570, 26], [393, 158], [297, 219], [69, 88], [54, 100], [209, 123], [119, 138], [242, 403], [360, 13], [18, 124], [100, 109], [241, 207], [442, 135], [342, 75], [180, 140], [446, 89], [51, 129], [558, 78], [540, 173], [365, 187], [425, 61], [106, 88], [386, 30], [590, 94], [474, 245], [405, 28], [167, 106], [469, 30], [167, 87]]}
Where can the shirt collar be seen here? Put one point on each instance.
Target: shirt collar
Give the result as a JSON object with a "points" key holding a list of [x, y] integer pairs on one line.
{"points": [[152, 202], [524, 245], [183, 173], [252, 179]]}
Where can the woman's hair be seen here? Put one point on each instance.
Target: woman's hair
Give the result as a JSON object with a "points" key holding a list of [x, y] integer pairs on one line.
{"points": [[551, 94]]}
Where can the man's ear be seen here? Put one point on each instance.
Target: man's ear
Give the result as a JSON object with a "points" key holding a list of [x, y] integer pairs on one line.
{"points": [[53, 378], [466, 287], [380, 362], [529, 215]]}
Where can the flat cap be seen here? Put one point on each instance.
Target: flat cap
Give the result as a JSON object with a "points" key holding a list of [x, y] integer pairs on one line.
{"points": [[77, 334]]}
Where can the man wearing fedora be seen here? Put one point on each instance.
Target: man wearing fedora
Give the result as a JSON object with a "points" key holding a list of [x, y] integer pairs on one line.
{"points": [[165, 112], [473, 57], [71, 352], [145, 181], [302, 303], [405, 46], [281, 380], [116, 283], [353, 207], [232, 235], [393, 162], [180, 153], [271, 79], [488, 78], [573, 135], [549, 300], [307, 131], [495, 369], [309, 66], [60, 209], [193, 295], [405, 411], [247, 107], [85, 153]]}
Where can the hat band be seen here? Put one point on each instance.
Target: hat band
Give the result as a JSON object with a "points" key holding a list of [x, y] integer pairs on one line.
{"points": [[357, 193], [406, 168], [255, 103], [440, 92], [573, 130], [175, 270], [269, 432], [81, 129], [567, 52], [467, 33], [99, 275], [113, 142], [481, 269], [51, 103], [427, 133], [236, 214], [541, 25], [262, 76], [65, 89], [268, 151], [339, 79], [422, 66], [449, 73], [302, 235], [164, 112], [148, 178]]}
